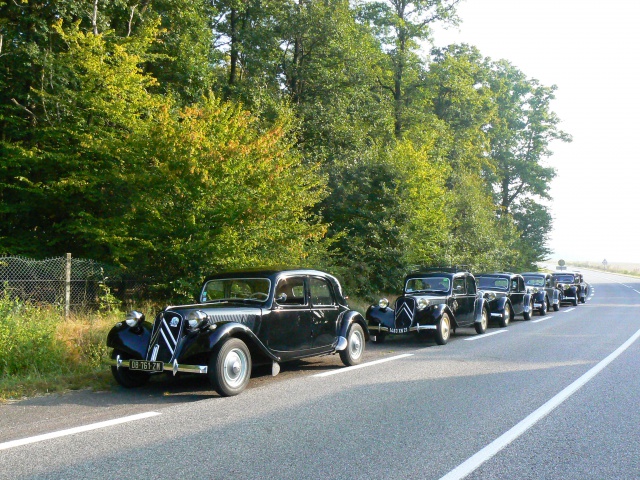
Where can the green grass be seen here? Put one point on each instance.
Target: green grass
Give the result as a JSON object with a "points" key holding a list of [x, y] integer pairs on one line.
{"points": [[623, 268], [41, 352]]}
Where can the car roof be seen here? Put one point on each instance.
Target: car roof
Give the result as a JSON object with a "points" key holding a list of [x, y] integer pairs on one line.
{"points": [[270, 274], [530, 274], [499, 275]]}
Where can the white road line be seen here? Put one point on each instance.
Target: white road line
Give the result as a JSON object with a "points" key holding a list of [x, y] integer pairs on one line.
{"points": [[506, 438], [72, 431], [478, 337], [542, 319], [570, 309], [362, 365], [636, 290]]}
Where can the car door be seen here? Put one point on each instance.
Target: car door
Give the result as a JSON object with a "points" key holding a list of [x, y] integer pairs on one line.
{"points": [[461, 308], [324, 312], [290, 325], [516, 293]]}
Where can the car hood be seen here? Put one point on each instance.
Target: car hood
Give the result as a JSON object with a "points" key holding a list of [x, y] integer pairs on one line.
{"points": [[220, 312]]}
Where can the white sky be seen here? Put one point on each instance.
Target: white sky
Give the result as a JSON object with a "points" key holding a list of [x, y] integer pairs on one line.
{"points": [[591, 51]]}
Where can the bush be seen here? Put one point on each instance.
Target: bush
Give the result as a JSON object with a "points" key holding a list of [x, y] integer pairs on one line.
{"points": [[41, 351]]}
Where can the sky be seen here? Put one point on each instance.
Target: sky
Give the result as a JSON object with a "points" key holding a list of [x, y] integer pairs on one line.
{"points": [[591, 51]]}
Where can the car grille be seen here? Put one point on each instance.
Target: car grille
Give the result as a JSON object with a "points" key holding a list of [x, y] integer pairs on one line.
{"points": [[405, 310], [166, 334]]}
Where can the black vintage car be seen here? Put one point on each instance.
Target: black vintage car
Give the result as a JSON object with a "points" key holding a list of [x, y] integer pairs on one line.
{"points": [[437, 301], [506, 296], [240, 319], [544, 289], [571, 284]]}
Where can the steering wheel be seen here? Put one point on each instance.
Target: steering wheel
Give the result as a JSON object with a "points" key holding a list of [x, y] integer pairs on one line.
{"points": [[259, 296]]}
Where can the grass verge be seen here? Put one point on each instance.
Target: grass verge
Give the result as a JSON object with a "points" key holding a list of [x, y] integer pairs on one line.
{"points": [[41, 352]]}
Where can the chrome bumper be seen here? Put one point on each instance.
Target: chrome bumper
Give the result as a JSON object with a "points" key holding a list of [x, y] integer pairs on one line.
{"points": [[174, 367], [497, 314], [417, 328], [537, 305]]}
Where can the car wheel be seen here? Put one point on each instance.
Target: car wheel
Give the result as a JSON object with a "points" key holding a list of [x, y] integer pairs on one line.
{"points": [[556, 306], [229, 367], [506, 316], [527, 315], [443, 332], [583, 300], [545, 307], [125, 377], [379, 338], [482, 326], [352, 355], [574, 302]]}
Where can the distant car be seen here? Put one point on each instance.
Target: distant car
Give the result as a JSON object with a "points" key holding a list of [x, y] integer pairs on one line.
{"points": [[436, 301], [506, 296], [543, 287], [574, 289], [239, 319]]}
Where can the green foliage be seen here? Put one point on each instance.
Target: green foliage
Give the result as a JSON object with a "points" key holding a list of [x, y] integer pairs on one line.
{"points": [[27, 339], [175, 138]]}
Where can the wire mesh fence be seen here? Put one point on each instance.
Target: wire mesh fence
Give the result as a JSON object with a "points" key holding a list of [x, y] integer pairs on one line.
{"points": [[73, 284]]}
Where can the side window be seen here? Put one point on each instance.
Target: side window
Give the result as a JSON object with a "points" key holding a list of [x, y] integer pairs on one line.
{"points": [[521, 285], [320, 292], [458, 286], [514, 284], [471, 286], [290, 291]]}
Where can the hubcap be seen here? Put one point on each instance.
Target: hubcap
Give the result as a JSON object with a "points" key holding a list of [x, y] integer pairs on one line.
{"points": [[507, 315], [235, 367], [485, 320], [444, 328], [355, 346]]}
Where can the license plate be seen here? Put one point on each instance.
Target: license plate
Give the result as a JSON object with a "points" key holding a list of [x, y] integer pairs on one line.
{"points": [[146, 366], [398, 330]]}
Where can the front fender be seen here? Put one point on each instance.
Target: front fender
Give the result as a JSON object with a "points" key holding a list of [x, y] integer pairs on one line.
{"points": [[202, 344], [527, 303], [439, 310], [380, 316], [132, 340], [480, 304], [350, 317]]}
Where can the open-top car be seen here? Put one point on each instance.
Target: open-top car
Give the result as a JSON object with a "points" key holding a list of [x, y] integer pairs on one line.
{"points": [[240, 319], [436, 301], [506, 296], [571, 284], [544, 289]]}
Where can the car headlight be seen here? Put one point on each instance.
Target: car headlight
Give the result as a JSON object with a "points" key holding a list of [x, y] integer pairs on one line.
{"points": [[490, 296], [383, 303], [134, 318], [196, 318], [422, 303]]}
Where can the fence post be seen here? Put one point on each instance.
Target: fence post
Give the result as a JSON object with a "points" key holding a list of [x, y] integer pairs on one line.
{"points": [[67, 287]]}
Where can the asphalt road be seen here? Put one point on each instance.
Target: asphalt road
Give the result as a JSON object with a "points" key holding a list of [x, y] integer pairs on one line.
{"points": [[543, 399]]}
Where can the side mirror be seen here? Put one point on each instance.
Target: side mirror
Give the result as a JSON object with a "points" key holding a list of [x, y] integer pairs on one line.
{"points": [[281, 298]]}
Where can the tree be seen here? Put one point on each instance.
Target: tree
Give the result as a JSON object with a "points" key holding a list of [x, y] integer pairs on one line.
{"points": [[520, 135], [401, 25]]}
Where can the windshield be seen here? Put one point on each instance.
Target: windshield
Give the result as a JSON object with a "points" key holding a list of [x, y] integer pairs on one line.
{"points": [[534, 281], [428, 284], [564, 278], [246, 289], [493, 283]]}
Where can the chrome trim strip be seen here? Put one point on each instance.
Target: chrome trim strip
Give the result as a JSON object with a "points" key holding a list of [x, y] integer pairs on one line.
{"points": [[167, 342], [496, 314], [164, 322]]}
